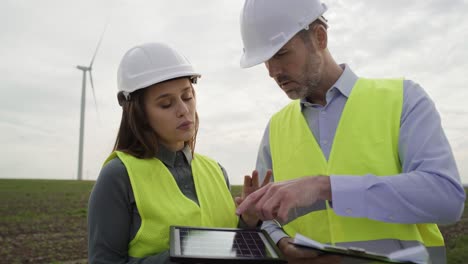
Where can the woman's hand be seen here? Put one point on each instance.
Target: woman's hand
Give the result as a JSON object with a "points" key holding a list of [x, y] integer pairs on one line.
{"points": [[251, 184]]}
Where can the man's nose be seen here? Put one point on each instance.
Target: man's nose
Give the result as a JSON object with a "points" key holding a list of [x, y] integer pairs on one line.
{"points": [[273, 67]]}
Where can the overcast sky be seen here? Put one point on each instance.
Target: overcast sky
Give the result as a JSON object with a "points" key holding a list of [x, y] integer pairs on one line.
{"points": [[41, 42]]}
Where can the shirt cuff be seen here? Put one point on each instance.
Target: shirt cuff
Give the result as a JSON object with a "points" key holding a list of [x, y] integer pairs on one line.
{"points": [[275, 232], [348, 195], [277, 235]]}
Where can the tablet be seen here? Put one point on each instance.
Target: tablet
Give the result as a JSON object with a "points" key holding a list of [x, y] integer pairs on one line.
{"points": [[226, 245]]}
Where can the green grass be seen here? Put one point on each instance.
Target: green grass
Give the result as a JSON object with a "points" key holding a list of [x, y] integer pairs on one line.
{"points": [[44, 221]]}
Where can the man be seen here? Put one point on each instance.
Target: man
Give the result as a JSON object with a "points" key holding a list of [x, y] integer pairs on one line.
{"points": [[361, 162]]}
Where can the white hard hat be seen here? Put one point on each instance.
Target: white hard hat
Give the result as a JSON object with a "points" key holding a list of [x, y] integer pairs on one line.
{"points": [[266, 25], [151, 63]]}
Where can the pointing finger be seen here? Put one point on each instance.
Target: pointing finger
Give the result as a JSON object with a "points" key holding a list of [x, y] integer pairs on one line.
{"points": [[250, 200]]}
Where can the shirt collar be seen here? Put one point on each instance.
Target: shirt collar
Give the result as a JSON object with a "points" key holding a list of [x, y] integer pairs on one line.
{"points": [[168, 157], [346, 81], [344, 84]]}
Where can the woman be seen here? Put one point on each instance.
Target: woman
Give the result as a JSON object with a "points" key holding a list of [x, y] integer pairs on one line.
{"points": [[153, 178]]}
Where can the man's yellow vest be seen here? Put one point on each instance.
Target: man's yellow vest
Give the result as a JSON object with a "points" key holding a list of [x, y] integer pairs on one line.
{"points": [[161, 203], [366, 142]]}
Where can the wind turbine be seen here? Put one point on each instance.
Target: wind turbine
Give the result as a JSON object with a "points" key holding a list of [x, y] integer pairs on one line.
{"points": [[86, 69]]}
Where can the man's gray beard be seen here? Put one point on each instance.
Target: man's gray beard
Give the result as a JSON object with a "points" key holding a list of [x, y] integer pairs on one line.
{"points": [[307, 90], [312, 85], [313, 78], [310, 88]]}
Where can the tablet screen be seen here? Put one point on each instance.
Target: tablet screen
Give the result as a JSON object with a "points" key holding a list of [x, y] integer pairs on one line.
{"points": [[191, 244]]}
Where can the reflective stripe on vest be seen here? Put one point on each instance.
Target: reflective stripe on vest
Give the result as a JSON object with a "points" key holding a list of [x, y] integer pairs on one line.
{"points": [[161, 203], [366, 141]]}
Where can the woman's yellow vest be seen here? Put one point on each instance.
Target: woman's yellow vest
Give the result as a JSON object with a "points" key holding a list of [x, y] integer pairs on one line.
{"points": [[366, 142], [161, 203]]}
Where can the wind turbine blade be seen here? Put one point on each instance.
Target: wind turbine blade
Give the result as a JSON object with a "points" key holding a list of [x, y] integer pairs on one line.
{"points": [[97, 47], [94, 94]]}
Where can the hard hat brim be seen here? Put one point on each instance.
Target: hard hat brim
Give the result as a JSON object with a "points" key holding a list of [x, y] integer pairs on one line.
{"points": [[250, 61], [149, 78], [160, 79]]}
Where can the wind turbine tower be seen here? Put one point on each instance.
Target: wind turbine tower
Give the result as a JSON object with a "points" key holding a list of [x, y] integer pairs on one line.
{"points": [[85, 69]]}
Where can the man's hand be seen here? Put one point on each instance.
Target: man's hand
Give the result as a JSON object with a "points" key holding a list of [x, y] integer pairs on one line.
{"points": [[274, 200], [251, 185], [296, 255]]}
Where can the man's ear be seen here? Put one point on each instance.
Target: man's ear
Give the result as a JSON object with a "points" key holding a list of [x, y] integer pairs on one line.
{"points": [[321, 36]]}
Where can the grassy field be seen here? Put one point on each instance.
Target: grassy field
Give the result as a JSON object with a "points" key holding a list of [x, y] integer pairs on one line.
{"points": [[44, 221]]}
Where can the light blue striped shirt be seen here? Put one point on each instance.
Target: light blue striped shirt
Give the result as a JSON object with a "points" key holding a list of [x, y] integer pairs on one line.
{"points": [[427, 191]]}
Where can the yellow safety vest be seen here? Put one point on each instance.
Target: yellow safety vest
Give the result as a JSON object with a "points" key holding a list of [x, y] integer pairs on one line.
{"points": [[366, 141], [161, 203]]}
